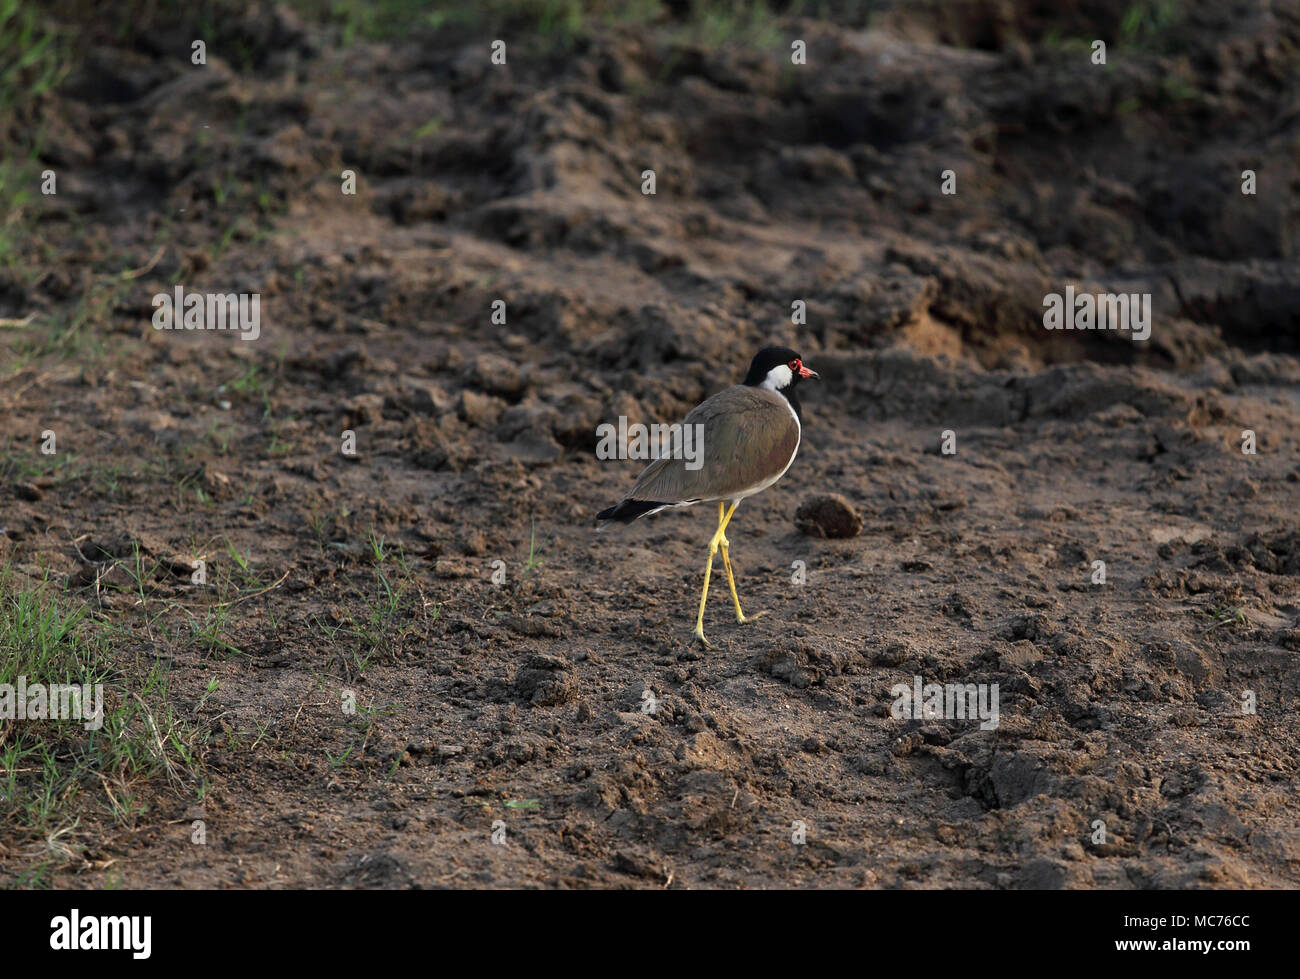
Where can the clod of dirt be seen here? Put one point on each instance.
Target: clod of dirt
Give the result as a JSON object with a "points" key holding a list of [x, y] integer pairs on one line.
{"points": [[635, 866], [496, 375], [446, 567], [546, 681], [1041, 875], [181, 567], [83, 576], [27, 491], [533, 450], [903, 745], [216, 484], [479, 410], [1019, 655], [532, 625], [1033, 625], [366, 409], [416, 399], [828, 516], [799, 663], [894, 654], [428, 449], [635, 695], [109, 547], [104, 575]]}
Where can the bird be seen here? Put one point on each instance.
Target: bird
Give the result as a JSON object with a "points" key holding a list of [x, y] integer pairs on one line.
{"points": [[751, 433]]}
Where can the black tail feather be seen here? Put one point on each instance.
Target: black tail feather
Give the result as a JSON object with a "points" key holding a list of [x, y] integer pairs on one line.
{"points": [[629, 510]]}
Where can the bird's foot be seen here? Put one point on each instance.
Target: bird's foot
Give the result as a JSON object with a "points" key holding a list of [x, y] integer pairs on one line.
{"points": [[742, 618], [698, 636]]}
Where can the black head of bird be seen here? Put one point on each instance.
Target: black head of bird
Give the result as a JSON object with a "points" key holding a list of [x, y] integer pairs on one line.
{"points": [[749, 434], [779, 369]]}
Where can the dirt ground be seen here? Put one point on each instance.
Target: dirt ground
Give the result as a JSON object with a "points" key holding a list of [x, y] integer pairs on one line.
{"points": [[448, 576]]}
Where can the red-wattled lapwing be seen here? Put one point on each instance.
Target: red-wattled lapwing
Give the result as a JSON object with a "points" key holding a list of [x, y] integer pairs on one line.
{"points": [[751, 434]]}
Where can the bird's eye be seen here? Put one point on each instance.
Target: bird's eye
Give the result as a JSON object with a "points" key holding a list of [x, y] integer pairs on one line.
{"points": [[794, 365]]}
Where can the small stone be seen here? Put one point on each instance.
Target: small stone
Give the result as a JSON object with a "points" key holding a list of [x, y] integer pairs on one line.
{"points": [[828, 516]]}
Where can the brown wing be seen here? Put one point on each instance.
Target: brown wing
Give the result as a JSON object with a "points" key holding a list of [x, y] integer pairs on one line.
{"points": [[749, 437]]}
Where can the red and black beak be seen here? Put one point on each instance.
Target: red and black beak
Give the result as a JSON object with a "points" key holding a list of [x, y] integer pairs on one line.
{"points": [[805, 371]]}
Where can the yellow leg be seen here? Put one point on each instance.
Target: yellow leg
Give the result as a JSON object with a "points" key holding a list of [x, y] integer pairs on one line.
{"points": [[731, 583], [714, 543]]}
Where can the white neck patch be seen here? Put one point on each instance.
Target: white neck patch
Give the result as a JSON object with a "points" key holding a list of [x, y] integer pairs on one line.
{"points": [[778, 377]]}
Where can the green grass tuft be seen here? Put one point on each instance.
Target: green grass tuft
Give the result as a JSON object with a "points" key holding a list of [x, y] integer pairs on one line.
{"points": [[57, 774]]}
